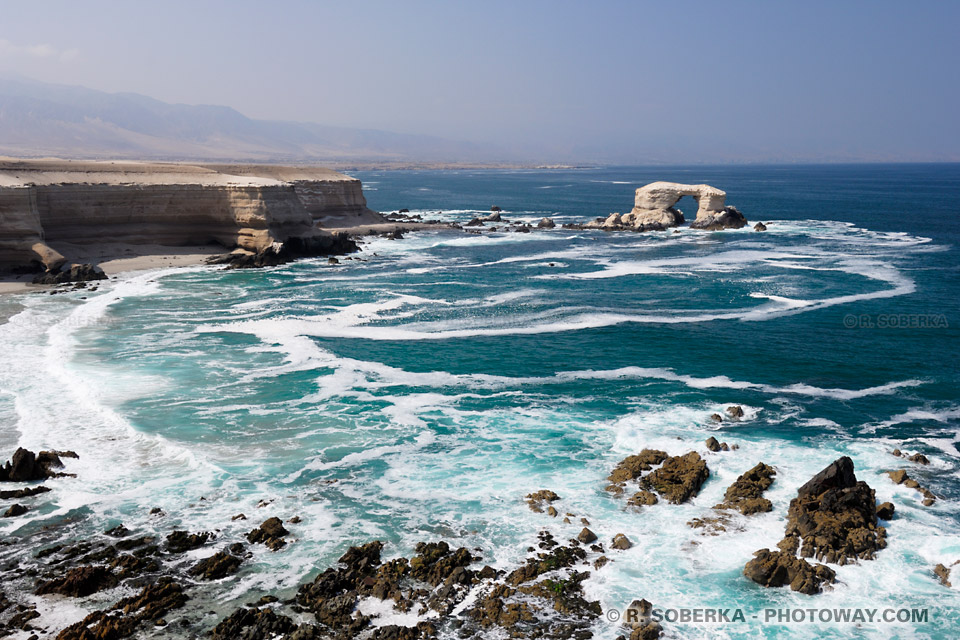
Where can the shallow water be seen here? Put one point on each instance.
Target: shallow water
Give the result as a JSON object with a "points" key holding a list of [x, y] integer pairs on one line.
{"points": [[421, 393]]}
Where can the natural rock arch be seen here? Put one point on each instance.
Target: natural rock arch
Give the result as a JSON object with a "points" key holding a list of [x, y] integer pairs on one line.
{"points": [[654, 209]]}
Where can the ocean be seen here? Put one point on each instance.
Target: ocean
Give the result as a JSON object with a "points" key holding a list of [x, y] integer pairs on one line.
{"points": [[421, 392]]}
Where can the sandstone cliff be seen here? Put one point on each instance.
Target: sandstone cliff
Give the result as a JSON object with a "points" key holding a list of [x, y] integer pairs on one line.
{"points": [[251, 207]]}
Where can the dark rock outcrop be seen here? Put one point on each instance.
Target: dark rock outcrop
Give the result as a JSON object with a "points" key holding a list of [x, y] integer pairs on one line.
{"points": [[746, 493], [632, 467], [79, 582], [943, 574], [253, 624], [26, 466], [834, 519], [129, 615], [885, 511], [293, 248], [727, 218], [679, 478], [29, 492], [71, 273], [217, 566], [780, 568], [835, 516], [270, 533], [14, 511], [181, 541]]}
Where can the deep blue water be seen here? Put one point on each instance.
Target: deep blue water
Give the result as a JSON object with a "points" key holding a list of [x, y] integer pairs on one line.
{"points": [[421, 393]]}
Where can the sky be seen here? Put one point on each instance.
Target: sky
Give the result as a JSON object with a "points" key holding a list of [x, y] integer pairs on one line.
{"points": [[615, 80]]}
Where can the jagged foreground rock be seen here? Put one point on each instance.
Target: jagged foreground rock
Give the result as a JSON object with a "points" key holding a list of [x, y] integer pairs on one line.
{"points": [[434, 581], [833, 519]]}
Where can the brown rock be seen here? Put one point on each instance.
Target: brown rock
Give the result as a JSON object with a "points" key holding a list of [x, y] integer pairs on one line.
{"points": [[217, 566], [79, 582], [735, 411], [898, 476], [885, 511], [746, 493], [779, 568], [919, 458], [536, 499], [270, 533], [943, 574], [14, 511], [643, 498], [835, 516], [181, 541], [632, 467], [586, 536], [28, 492], [621, 542], [713, 444], [679, 477]]}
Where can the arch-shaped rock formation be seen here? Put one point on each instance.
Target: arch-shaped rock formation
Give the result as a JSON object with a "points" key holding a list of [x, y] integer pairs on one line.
{"points": [[654, 209], [654, 205]]}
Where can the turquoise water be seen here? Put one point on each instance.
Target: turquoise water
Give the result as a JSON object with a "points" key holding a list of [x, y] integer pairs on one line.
{"points": [[421, 393]]}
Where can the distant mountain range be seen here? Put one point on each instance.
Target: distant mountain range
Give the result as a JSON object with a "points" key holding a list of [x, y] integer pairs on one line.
{"points": [[39, 119]]}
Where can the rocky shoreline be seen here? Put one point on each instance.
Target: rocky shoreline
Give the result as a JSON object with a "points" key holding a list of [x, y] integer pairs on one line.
{"points": [[440, 588]]}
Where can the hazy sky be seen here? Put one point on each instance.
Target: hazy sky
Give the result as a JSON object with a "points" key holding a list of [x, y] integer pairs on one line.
{"points": [[621, 80]]}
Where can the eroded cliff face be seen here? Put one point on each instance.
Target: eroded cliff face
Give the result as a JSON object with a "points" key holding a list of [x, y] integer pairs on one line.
{"points": [[252, 207], [21, 234]]}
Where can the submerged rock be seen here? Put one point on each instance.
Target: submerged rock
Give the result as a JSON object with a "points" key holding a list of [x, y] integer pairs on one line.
{"points": [[759, 227], [536, 499], [900, 477]]}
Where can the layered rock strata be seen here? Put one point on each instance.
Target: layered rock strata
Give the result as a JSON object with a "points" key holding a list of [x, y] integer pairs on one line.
{"points": [[250, 207]]}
